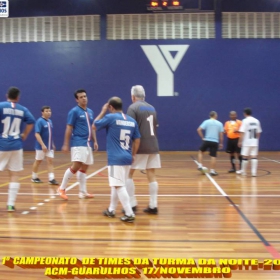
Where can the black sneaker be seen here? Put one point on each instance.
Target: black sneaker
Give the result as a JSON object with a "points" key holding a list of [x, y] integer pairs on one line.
{"points": [[134, 209], [53, 182], [11, 208], [149, 210], [214, 173], [37, 180], [127, 219], [109, 214], [232, 170]]}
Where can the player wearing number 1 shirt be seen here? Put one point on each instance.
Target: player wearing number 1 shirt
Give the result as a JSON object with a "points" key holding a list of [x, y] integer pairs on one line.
{"points": [[250, 131], [13, 116], [147, 157]]}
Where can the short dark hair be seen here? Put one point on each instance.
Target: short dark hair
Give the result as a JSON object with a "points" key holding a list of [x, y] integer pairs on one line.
{"points": [[248, 111], [44, 108], [79, 91], [116, 103], [212, 114], [13, 93]]}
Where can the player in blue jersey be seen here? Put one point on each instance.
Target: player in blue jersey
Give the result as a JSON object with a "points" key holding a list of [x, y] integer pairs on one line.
{"points": [[44, 145], [212, 140], [122, 131], [13, 116], [79, 130]]}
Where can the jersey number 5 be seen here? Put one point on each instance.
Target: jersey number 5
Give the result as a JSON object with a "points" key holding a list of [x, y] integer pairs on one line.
{"points": [[125, 138], [11, 128]]}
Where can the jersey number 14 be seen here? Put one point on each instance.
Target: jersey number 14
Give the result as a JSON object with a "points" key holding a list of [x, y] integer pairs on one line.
{"points": [[11, 128]]}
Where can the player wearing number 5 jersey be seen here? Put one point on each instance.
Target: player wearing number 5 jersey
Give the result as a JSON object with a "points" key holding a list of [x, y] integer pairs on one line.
{"points": [[250, 131], [147, 157], [13, 116], [122, 131]]}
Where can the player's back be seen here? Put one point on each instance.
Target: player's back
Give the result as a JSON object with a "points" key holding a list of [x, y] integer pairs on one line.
{"points": [[146, 118], [250, 127], [212, 129], [12, 116]]}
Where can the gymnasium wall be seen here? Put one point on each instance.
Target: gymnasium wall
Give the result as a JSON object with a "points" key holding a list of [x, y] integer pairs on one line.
{"points": [[217, 62]]}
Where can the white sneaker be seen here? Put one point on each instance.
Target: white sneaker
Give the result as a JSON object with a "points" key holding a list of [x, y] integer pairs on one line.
{"points": [[85, 195], [203, 169], [239, 172]]}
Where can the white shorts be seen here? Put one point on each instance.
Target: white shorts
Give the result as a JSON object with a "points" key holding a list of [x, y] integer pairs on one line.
{"points": [[118, 174], [82, 154], [144, 161], [12, 160], [40, 155], [249, 151]]}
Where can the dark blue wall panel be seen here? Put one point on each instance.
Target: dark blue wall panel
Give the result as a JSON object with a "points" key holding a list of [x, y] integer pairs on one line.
{"points": [[219, 75]]}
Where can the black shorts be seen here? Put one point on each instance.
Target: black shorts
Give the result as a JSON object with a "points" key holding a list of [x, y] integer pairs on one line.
{"points": [[212, 146], [232, 146]]}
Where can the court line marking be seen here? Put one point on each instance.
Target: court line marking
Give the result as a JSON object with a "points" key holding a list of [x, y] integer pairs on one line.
{"points": [[268, 159], [266, 244], [160, 195]]}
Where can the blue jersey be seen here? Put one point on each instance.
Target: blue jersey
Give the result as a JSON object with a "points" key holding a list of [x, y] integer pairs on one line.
{"points": [[212, 129], [44, 128], [121, 130], [81, 120], [12, 117]]}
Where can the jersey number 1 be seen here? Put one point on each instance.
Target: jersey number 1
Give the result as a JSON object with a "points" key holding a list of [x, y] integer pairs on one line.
{"points": [[253, 133], [150, 119], [11, 129]]}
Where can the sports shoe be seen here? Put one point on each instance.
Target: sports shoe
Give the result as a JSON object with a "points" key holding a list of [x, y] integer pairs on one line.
{"points": [[214, 173], [134, 209], [62, 193], [53, 182], [254, 175], [85, 195], [11, 208], [203, 169], [36, 180], [149, 210], [127, 219], [239, 172], [109, 214], [232, 170]]}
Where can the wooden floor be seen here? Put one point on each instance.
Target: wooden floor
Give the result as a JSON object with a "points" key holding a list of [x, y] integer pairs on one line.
{"points": [[225, 217]]}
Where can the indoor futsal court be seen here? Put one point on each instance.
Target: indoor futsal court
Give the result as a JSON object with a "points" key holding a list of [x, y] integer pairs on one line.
{"points": [[227, 216]]}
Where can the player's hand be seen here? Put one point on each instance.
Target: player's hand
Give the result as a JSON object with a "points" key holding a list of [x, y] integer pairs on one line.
{"points": [[44, 148], [23, 136], [65, 148], [54, 147], [220, 146], [95, 146], [239, 144], [133, 159], [105, 108]]}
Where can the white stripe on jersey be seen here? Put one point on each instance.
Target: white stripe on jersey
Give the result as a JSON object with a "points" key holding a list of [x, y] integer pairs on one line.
{"points": [[50, 135], [89, 129]]}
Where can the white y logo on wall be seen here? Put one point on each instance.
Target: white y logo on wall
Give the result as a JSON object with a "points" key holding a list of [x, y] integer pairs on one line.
{"points": [[165, 65]]}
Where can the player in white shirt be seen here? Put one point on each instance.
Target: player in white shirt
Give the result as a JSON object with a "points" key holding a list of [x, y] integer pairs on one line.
{"points": [[250, 132]]}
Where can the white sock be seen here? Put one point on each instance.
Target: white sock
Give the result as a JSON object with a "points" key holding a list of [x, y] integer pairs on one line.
{"points": [[244, 165], [254, 166], [124, 199], [131, 192], [13, 191], [114, 199], [34, 175], [67, 176], [51, 176], [81, 177], [153, 194]]}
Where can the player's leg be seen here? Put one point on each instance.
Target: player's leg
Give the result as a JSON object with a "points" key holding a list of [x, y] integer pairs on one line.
{"points": [[50, 156], [238, 154], [254, 160], [245, 152], [39, 156], [76, 157], [213, 154], [201, 151], [230, 149], [14, 165], [130, 186]]}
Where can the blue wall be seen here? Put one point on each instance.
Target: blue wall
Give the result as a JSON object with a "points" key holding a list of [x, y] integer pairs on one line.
{"points": [[214, 74]]}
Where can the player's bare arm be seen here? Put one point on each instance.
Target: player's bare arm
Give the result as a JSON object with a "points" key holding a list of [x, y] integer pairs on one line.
{"points": [[135, 147], [95, 144], [199, 131], [26, 131], [40, 140], [221, 140], [67, 136], [103, 112], [240, 139]]}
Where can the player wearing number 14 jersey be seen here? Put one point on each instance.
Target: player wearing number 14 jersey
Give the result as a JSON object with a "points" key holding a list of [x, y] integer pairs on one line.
{"points": [[147, 157], [250, 131], [13, 116]]}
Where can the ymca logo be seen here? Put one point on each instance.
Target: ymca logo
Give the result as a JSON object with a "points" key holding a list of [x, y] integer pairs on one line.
{"points": [[165, 65]]}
